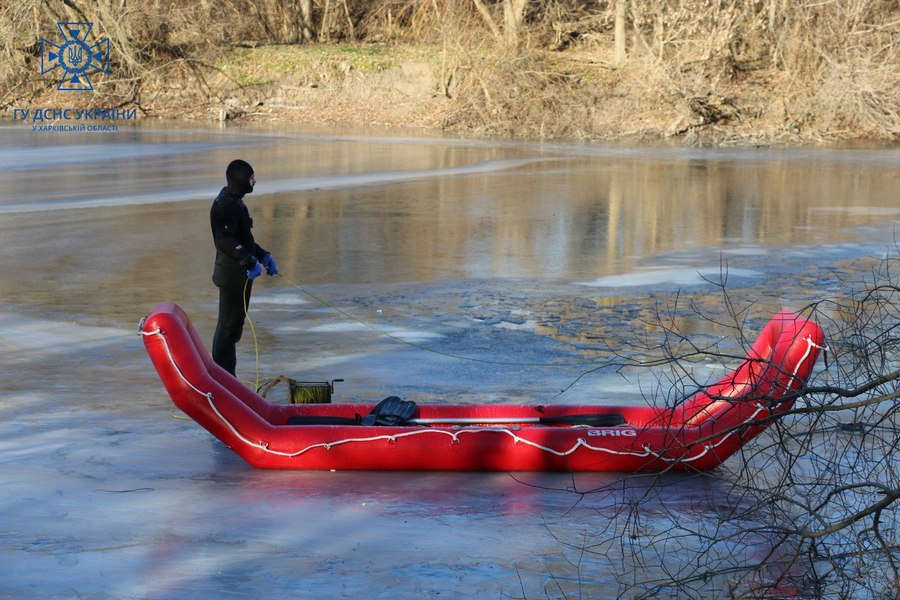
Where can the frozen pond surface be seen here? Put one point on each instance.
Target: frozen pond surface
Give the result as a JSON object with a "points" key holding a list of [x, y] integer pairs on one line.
{"points": [[439, 270]]}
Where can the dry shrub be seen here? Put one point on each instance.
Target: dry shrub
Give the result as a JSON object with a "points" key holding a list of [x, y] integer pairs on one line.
{"points": [[500, 89], [141, 40], [509, 95], [18, 48], [410, 22], [855, 101], [841, 60], [823, 68], [684, 58], [833, 64], [685, 66]]}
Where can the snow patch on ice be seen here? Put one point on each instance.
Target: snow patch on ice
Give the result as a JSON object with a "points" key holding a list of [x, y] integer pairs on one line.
{"points": [[746, 251], [47, 336], [527, 325], [678, 276], [279, 300], [881, 211], [404, 334], [312, 363]]}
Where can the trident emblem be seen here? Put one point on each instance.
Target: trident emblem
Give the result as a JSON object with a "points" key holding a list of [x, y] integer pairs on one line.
{"points": [[75, 53], [75, 57]]}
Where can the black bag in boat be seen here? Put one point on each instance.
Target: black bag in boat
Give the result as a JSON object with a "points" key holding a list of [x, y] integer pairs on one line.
{"points": [[391, 411]]}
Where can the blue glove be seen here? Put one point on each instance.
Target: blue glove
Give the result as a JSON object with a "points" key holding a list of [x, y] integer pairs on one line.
{"points": [[269, 264], [254, 271]]}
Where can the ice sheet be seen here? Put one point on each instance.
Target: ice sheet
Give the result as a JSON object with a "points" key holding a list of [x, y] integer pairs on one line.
{"points": [[469, 253]]}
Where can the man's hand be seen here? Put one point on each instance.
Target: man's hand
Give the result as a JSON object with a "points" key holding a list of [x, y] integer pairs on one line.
{"points": [[269, 263], [254, 271]]}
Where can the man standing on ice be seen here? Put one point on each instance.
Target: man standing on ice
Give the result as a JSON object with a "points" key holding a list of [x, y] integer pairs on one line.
{"points": [[238, 259]]}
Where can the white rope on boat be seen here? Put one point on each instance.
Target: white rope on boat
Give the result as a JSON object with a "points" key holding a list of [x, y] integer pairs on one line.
{"points": [[455, 435], [208, 395], [708, 447], [810, 344], [454, 439], [159, 332]]}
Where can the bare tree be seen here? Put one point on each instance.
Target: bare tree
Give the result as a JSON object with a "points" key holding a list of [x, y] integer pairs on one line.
{"points": [[513, 17], [305, 22], [619, 36], [810, 508]]}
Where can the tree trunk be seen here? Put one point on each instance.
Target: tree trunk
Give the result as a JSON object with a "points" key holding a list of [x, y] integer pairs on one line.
{"points": [[325, 25], [486, 15], [307, 30], [621, 8], [513, 15]]}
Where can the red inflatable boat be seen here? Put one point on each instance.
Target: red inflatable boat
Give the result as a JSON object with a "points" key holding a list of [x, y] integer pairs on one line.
{"points": [[698, 434]]}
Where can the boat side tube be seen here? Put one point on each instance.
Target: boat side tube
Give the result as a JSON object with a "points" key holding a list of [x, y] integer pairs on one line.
{"points": [[697, 435], [741, 404]]}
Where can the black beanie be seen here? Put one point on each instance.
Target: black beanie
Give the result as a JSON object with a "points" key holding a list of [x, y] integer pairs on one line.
{"points": [[238, 176]]}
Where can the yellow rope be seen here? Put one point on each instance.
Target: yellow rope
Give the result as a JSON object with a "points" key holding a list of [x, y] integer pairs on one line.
{"points": [[255, 383]]}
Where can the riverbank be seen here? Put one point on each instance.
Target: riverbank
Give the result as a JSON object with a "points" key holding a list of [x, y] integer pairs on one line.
{"points": [[571, 95]]}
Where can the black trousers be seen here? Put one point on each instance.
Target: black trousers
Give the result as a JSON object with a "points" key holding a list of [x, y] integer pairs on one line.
{"points": [[234, 298]]}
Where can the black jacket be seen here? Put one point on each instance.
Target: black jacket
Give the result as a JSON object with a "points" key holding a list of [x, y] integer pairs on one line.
{"points": [[231, 229]]}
